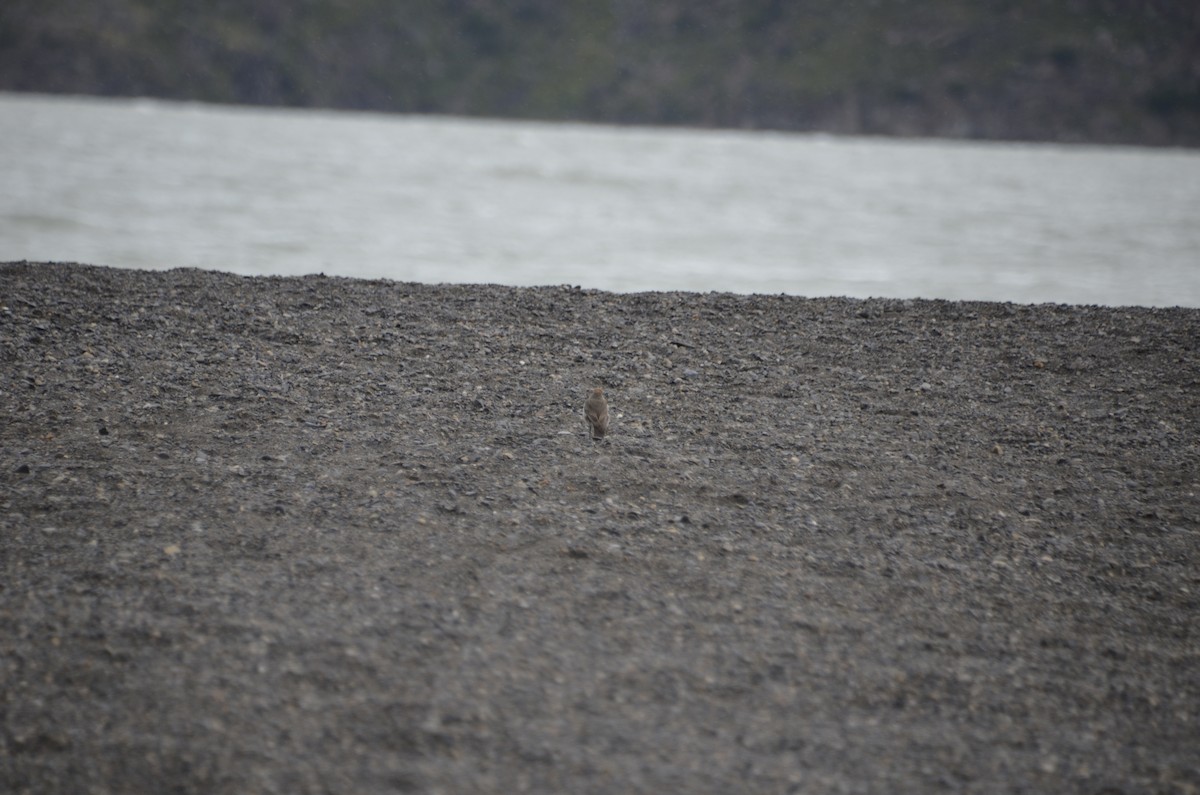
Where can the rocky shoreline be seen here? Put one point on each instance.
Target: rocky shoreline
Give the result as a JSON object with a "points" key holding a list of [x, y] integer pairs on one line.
{"points": [[318, 534]]}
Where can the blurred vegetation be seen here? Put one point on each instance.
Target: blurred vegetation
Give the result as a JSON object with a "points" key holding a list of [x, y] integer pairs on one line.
{"points": [[1072, 70]]}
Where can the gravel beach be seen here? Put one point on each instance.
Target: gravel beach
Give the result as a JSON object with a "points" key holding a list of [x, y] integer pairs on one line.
{"points": [[322, 535]]}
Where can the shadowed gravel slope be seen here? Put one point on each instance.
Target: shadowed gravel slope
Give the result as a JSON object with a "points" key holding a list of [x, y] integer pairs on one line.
{"points": [[325, 535]]}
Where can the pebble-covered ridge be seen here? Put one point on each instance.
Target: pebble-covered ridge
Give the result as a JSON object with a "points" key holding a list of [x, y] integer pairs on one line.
{"points": [[324, 535]]}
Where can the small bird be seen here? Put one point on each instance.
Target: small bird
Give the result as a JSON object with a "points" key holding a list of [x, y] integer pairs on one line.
{"points": [[595, 411]]}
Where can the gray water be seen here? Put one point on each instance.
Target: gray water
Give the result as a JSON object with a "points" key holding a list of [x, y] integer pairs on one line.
{"points": [[149, 184]]}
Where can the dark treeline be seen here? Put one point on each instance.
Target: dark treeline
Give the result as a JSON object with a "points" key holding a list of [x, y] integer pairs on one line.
{"points": [[1071, 70]]}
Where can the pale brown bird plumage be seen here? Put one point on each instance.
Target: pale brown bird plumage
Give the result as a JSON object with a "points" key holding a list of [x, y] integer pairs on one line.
{"points": [[595, 411]]}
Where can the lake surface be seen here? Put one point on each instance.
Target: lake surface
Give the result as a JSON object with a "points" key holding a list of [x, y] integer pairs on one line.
{"points": [[150, 184]]}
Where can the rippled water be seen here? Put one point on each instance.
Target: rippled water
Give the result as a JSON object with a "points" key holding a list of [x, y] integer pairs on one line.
{"points": [[158, 185]]}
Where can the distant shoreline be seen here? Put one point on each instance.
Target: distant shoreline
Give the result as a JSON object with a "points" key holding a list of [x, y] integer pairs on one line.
{"points": [[1027, 71]]}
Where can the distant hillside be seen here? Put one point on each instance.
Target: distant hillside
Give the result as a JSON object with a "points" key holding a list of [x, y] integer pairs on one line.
{"points": [[1107, 71]]}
